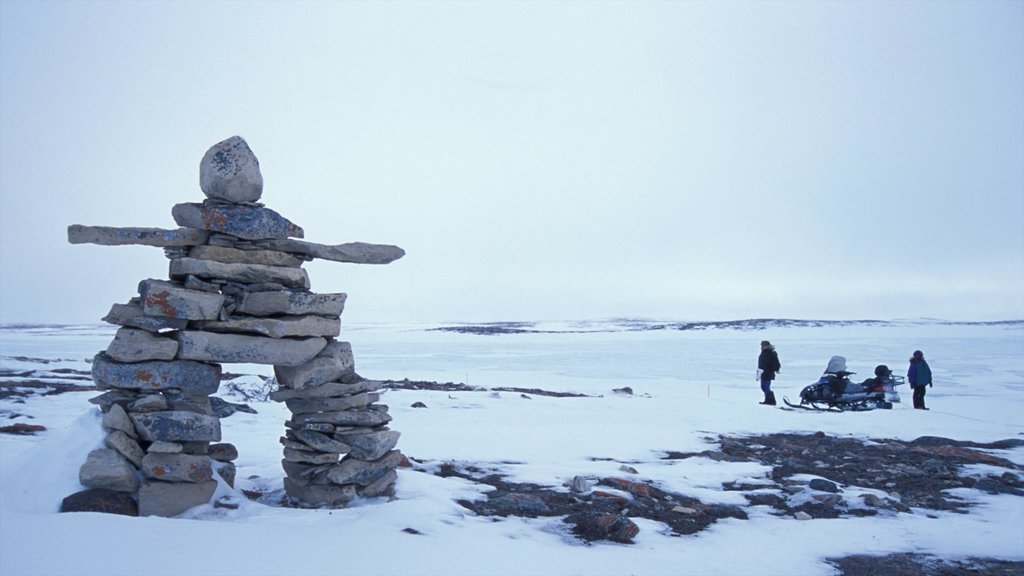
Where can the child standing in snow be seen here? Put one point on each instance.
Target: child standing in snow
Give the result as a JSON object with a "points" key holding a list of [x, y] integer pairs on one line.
{"points": [[767, 366], [919, 375]]}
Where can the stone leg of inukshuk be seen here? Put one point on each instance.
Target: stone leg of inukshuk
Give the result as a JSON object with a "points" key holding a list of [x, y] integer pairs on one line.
{"points": [[236, 292]]}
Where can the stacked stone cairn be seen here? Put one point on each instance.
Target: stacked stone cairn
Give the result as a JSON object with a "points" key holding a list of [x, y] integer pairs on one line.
{"points": [[236, 292]]}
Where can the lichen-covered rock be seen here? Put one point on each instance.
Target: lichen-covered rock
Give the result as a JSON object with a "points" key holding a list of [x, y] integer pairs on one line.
{"points": [[177, 467], [188, 376], [243, 221], [177, 426], [230, 171], [212, 347], [162, 298]]}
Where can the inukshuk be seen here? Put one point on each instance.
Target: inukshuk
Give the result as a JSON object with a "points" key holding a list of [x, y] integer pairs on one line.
{"points": [[236, 292]]}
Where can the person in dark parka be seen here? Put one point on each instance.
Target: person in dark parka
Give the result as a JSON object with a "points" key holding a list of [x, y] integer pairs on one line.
{"points": [[768, 366], [920, 377]]}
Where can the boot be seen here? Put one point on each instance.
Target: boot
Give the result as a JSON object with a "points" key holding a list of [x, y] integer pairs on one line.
{"points": [[770, 400]]}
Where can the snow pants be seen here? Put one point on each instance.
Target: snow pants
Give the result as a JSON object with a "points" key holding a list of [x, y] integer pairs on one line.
{"points": [[919, 397]]}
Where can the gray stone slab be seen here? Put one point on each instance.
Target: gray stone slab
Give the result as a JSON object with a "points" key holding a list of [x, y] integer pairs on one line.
{"points": [[351, 252], [132, 315], [245, 221], [169, 499], [359, 417], [109, 236], [333, 362], [363, 473], [177, 426], [280, 327], [288, 302], [149, 403], [229, 255], [162, 298], [213, 347], [117, 419], [230, 171], [319, 494], [383, 486], [108, 470], [125, 446], [307, 405], [137, 345], [306, 457], [244, 273], [176, 467], [223, 452], [319, 441], [371, 445], [164, 447], [330, 389], [189, 376]]}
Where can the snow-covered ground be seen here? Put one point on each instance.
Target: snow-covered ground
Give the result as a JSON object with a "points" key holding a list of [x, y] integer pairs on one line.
{"points": [[688, 387]]}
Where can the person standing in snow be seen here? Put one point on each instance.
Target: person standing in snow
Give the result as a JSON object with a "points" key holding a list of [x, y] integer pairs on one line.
{"points": [[767, 366], [920, 376]]}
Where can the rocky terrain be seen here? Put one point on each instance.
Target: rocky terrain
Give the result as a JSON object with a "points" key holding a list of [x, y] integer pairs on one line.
{"points": [[810, 476]]}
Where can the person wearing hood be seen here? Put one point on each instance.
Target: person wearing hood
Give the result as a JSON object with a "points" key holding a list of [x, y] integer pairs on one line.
{"points": [[920, 377], [767, 367]]}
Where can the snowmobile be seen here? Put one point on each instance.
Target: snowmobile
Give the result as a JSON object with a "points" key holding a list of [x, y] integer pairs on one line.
{"points": [[835, 391]]}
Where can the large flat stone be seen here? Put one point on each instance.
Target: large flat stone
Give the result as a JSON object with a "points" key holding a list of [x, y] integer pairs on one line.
{"points": [[333, 362], [108, 236], [213, 347], [177, 426], [383, 486], [319, 494], [132, 315], [229, 255], [176, 467], [125, 446], [358, 417], [281, 327], [169, 499], [321, 442], [136, 345], [327, 390], [230, 171], [363, 473], [351, 252], [371, 445], [242, 273], [244, 221], [288, 302], [106, 469], [307, 405], [162, 298], [190, 377]]}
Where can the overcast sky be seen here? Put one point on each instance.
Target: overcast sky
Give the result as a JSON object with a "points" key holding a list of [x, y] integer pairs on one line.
{"points": [[536, 160]]}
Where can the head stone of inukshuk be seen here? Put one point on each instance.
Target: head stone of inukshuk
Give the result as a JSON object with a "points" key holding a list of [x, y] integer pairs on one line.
{"points": [[235, 292]]}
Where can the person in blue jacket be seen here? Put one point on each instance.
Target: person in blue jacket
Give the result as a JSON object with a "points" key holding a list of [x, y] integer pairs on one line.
{"points": [[767, 366], [920, 377]]}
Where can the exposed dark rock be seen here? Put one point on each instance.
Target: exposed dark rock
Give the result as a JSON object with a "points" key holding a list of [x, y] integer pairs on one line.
{"points": [[923, 565], [22, 429], [591, 526], [100, 500]]}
